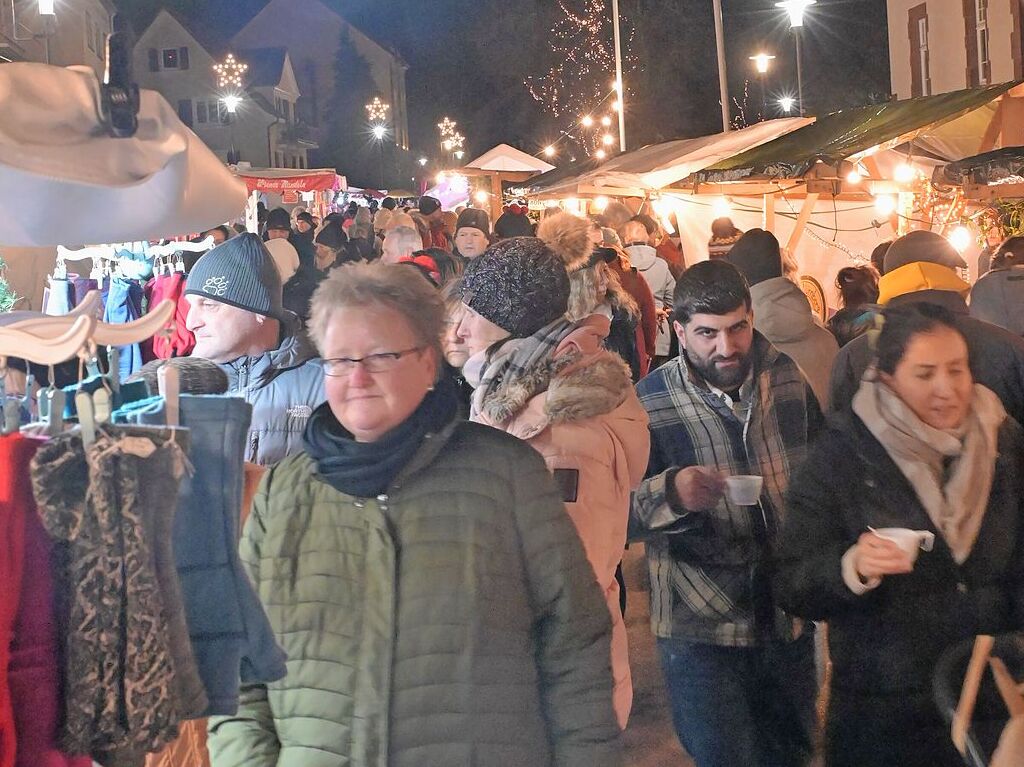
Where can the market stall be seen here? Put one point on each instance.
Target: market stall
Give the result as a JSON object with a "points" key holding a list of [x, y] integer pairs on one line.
{"points": [[500, 166], [315, 188]]}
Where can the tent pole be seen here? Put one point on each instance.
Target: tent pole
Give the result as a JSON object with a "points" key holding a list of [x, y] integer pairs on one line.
{"points": [[723, 78], [801, 222], [769, 212], [496, 200]]}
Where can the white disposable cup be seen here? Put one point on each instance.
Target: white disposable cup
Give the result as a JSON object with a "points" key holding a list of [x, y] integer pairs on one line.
{"points": [[743, 489], [911, 541]]}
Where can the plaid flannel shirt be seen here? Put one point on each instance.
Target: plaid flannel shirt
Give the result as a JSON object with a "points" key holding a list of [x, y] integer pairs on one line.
{"points": [[706, 581]]}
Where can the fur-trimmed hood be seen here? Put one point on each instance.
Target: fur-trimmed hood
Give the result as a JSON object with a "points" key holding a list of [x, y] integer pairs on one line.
{"points": [[569, 237], [580, 380]]}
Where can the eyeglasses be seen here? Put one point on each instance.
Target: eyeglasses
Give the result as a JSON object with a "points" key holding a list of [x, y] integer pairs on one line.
{"points": [[338, 367]]}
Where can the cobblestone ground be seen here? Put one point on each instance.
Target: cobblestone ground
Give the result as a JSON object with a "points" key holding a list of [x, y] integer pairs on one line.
{"points": [[650, 739]]}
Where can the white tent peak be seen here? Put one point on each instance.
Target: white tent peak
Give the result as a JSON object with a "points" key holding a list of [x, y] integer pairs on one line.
{"points": [[507, 159]]}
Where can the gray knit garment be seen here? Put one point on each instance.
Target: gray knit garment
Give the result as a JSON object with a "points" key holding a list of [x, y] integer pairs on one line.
{"points": [[519, 284], [241, 273]]}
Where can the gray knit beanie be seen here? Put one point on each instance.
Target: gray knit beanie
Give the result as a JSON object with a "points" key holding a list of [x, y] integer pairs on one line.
{"points": [[519, 284], [240, 273]]}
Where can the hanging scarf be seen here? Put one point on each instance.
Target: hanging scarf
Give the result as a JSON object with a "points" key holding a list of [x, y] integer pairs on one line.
{"points": [[518, 367], [367, 469], [955, 497]]}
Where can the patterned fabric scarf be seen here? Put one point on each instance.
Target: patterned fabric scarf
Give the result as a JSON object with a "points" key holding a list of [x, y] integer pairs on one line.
{"points": [[955, 500], [518, 367]]}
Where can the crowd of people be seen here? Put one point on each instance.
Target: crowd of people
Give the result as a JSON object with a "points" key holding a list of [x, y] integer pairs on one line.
{"points": [[465, 425]]}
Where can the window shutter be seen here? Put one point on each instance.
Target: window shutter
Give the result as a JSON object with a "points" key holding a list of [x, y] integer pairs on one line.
{"points": [[916, 75], [201, 112], [183, 58], [971, 42], [154, 60], [185, 111]]}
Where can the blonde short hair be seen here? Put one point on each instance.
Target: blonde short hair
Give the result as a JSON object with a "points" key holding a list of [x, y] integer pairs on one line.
{"points": [[393, 286]]}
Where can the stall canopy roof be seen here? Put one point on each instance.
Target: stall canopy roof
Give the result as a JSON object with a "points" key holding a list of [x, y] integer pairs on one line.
{"points": [[656, 166], [851, 132], [1001, 166], [507, 159]]}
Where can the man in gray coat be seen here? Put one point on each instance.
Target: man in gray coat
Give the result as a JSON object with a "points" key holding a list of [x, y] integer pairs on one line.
{"points": [[236, 314]]}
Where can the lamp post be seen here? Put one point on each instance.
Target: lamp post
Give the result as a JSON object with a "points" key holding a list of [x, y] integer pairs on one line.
{"points": [[620, 92], [231, 103], [723, 77], [379, 133], [762, 61], [796, 10]]}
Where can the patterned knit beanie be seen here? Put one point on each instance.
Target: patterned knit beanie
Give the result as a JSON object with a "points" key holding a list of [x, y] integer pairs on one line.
{"points": [[240, 273], [518, 284]]}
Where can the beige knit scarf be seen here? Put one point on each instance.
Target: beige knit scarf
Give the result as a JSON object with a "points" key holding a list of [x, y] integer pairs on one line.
{"points": [[956, 499]]}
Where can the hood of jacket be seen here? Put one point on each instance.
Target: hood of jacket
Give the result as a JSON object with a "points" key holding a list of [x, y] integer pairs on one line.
{"points": [[295, 350], [781, 310], [642, 257], [583, 380], [920, 276]]}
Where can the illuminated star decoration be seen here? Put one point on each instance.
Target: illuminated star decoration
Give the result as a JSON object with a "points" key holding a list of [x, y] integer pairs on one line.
{"points": [[451, 139], [229, 72], [377, 110]]}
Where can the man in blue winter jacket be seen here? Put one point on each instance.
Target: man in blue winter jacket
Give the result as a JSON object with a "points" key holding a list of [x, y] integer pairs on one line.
{"points": [[239, 321]]}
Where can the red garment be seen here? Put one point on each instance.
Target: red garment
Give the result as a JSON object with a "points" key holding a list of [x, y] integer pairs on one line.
{"points": [[647, 329], [672, 254], [438, 238], [180, 341], [29, 673]]}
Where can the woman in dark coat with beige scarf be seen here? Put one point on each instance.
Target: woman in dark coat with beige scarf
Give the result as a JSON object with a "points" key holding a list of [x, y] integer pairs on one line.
{"points": [[926, 449]]}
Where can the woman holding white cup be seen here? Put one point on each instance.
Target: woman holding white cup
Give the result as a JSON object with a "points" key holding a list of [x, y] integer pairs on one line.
{"points": [[927, 459]]}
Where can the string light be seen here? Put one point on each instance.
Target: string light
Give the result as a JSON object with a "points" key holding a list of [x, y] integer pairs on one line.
{"points": [[600, 154], [722, 208], [617, 105], [600, 203], [961, 238], [606, 121], [854, 177], [904, 173], [607, 139], [481, 197], [885, 205], [229, 72], [549, 151], [587, 121], [377, 110]]}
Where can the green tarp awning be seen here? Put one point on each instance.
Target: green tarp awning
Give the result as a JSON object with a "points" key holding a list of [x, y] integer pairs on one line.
{"points": [[844, 134]]}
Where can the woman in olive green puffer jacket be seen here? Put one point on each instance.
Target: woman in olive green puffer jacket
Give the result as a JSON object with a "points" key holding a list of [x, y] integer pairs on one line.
{"points": [[451, 619]]}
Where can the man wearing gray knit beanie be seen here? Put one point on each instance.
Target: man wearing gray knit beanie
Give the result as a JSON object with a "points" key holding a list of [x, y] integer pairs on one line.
{"points": [[236, 314]]}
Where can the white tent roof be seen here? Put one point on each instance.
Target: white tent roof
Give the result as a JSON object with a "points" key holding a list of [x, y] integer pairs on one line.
{"points": [[64, 181], [656, 166], [505, 158]]}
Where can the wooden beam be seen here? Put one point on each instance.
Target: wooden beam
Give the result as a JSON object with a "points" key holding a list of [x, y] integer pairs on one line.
{"points": [[995, 129], [801, 222], [496, 197], [769, 213]]}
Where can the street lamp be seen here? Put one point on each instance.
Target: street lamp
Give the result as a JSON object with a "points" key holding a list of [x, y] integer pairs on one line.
{"points": [[762, 61], [379, 133], [231, 103], [796, 10], [786, 104], [46, 8]]}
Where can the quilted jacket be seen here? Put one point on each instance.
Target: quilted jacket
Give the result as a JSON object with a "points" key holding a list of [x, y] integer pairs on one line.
{"points": [[453, 621]]}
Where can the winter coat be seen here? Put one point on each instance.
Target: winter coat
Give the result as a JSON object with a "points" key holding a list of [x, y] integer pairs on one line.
{"points": [[647, 329], [672, 255], [592, 432], [998, 297], [453, 621], [852, 322], [996, 356], [662, 285], [782, 314], [283, 386], [298, 291], [885, 643]]}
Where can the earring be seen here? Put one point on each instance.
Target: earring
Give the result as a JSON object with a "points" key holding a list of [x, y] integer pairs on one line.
{"points": [[430, 388]]}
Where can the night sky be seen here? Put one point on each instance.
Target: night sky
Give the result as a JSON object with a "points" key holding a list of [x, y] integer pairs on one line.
{"points": [[469, 58]]}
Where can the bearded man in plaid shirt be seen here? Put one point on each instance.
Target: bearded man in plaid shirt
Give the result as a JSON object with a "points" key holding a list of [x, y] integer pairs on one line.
{"points": [[740, 672]]}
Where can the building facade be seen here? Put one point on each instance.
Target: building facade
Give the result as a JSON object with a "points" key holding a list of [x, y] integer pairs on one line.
{"points": [[938, 46], [75, 34], [264, 131], [312, 32]]}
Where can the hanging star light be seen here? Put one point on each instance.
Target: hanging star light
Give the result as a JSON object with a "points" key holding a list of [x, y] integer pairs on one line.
{"points": [[229, 72], [377, 110], [447, 127]]}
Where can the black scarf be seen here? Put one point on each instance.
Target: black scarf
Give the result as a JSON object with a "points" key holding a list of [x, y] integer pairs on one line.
{"points": [[367, 469]]}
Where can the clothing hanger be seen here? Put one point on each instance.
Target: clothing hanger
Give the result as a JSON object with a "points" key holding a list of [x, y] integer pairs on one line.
{"points": [[46, 349], [172, 248], [105, 333]]}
